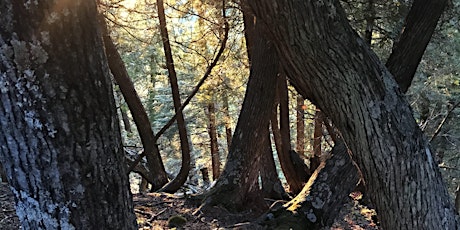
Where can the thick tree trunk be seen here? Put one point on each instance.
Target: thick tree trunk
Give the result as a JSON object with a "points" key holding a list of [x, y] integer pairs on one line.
{"points": [[61, 143], [321, 199], [324, 56], [215, 158], [237, 187], [181, 177], [156, 174], [408, 50]]}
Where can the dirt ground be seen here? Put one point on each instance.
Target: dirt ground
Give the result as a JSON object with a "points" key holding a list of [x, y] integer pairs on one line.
{"points": [[165, 211]]}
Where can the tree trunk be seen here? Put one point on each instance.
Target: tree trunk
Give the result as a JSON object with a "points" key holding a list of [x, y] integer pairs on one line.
{"points": [[322, 197], [156, 174], [300, 144], [215, 158], [408, 50], [228, 128], [180, 179], [294, 177], [271, 184], [317, 138], [354, 89], [237, 187], [62, 146]]}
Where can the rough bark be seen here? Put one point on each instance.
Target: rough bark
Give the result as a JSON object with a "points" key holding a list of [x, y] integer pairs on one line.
{"points": [[300, 131], [156, 174], [181, 177], [215, 158], [408, 50], [237, 187], [320, 201], [61, 144], [324, 56]]}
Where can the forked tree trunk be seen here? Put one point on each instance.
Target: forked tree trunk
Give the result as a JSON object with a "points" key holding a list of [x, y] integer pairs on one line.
{"points": [[156, 174], [181, 177], [61, 144], [237, 187], [325, 57]]}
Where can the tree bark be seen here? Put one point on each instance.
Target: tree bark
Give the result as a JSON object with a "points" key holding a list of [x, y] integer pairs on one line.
{"points": [[215, 158], [408, 50], [228, 128], [321, 199], [317, 138], [61, 143], [237, 188], [156, 174], [324, 56], [181, 177]]}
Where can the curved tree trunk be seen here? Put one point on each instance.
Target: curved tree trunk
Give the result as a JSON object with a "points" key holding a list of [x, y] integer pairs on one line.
{"points": [[156, 174], [61, 143], [237, 187], [180, 179], [324, 56]]}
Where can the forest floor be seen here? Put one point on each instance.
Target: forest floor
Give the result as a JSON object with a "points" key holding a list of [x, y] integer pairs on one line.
{"points": [[165, 211]]}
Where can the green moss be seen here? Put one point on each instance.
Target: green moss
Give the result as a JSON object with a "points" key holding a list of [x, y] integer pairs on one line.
{"points": [[176, 221]]}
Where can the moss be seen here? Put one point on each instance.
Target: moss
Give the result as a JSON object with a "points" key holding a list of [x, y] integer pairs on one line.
{"points": [[176, 221]]}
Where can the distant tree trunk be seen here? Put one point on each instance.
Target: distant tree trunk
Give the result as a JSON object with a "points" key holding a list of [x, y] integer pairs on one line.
{"points": [[408, 50], [215, 158], [61, 144], [317, 138], [237, 187], [3, 174], [300, 144], [354, 89], [180, 179], [228, 128], [271, 184], [370, 18], [321, 199], [156, 174], [294, 177], [125, 119]]}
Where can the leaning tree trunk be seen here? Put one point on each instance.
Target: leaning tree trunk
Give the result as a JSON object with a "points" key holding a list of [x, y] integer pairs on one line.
{"points": [[322, 197], [325, 57], [156, 174], [237, 187], [181, 177], [408, 50], [61, 143]]}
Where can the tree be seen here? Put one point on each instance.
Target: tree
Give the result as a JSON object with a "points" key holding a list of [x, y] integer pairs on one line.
{"points": [[156, 174], [180, 179], [61, 140], [365, 103], [237, 187]]}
